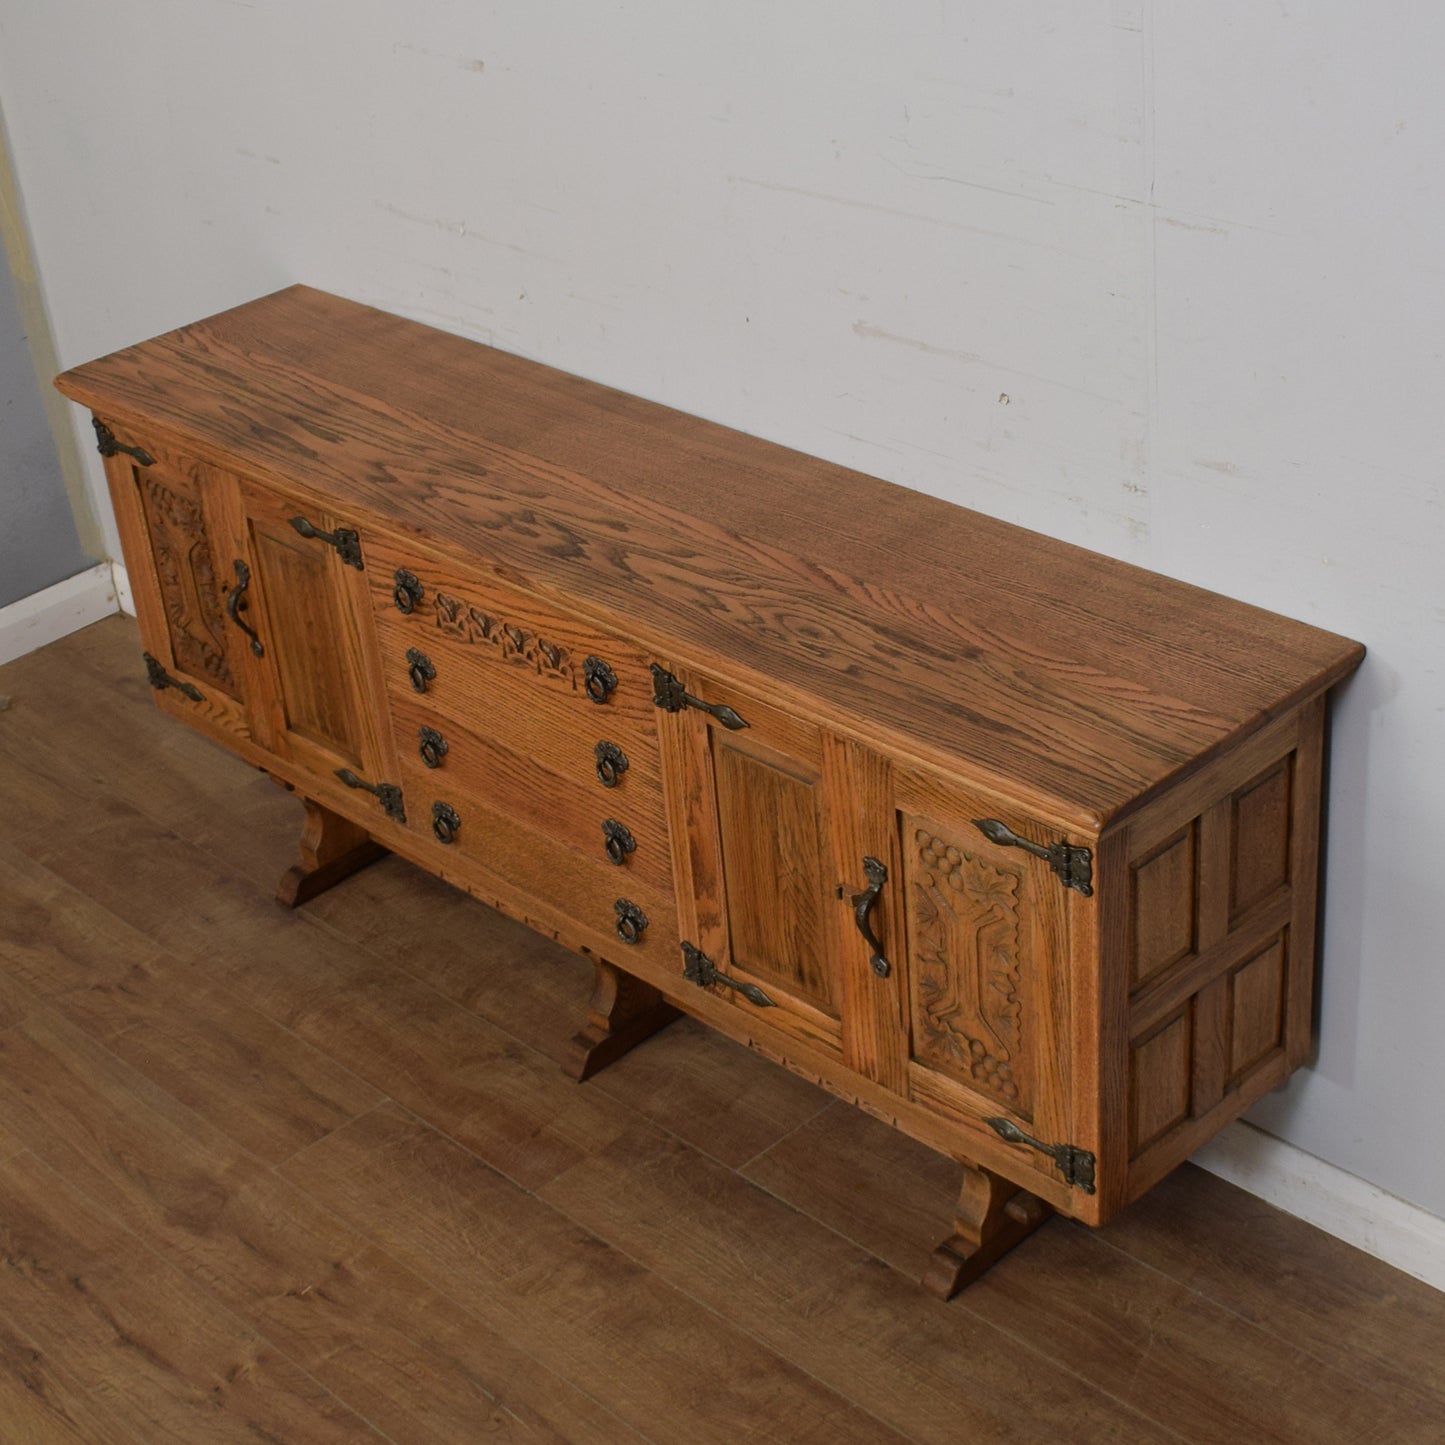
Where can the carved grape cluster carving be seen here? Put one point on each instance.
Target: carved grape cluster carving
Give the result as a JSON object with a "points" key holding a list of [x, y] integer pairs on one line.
{"points": [[972, 1020]]}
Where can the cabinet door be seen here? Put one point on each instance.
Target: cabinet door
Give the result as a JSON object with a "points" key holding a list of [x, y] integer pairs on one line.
{"points": [[758, 883], [173, 516], [320, 702], [988, 962]]}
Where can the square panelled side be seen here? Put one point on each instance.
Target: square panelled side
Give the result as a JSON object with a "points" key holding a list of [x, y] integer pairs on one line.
{"points": [[1220, 928]]}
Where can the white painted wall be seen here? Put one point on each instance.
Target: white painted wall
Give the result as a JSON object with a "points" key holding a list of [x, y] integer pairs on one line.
{"points": [[1165, 281], [38, 543]]}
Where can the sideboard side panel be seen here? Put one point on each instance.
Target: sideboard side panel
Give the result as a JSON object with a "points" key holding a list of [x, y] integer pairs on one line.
{"points": [[1219, 942]]}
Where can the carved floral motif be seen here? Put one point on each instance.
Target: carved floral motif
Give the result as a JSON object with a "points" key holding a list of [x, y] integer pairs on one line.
{"points": [[967, 957], [512, 643], [186, 571]]}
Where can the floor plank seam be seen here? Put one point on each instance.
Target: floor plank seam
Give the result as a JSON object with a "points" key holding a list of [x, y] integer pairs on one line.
{"points": [[1364, 1381], [742, 1168], [717, 1314], [440, 1286]]}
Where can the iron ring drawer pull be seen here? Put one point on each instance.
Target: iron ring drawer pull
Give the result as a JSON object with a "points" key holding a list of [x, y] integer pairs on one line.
{"points": [[408, 591], [877, 876], [631, 921], [236, 600], [432, 746], [445, 823], [619, 841], [420, 669], [598, 679], [611, 764]]}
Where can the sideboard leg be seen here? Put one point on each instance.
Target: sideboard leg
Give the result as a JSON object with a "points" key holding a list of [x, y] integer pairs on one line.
{"points": [[623, 1012], [993, 1215], [332, 848]]}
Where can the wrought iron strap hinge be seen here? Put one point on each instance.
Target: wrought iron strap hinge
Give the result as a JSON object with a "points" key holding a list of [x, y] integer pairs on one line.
{"points": [[387, 794], [1075, 1164], [671, 696], [160, 679], [698, 968], [346, 542], [1074, 866], [108, 446]]}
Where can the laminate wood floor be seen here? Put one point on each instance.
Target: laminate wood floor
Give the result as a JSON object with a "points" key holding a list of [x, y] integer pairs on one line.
{"points": [[317, 1176]]}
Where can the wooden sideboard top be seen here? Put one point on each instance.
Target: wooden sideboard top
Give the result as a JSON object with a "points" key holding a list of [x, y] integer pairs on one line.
{"points": [[1041, 669]]}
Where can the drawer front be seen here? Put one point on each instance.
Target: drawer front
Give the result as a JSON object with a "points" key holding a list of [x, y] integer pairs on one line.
{"points": [[458, 763], [472, 841], [506, 665]]}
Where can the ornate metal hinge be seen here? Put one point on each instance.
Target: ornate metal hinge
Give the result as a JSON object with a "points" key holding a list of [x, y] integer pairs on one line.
{"points": [[160, 679], [108, 446], [1075, 1164], [1075, 866], [387, 794], [698, 968], [670, 695], [346, 542]]}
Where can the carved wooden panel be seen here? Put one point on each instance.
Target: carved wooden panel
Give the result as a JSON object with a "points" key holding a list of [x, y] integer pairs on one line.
{"points": [[192, 591], [1159, 1080], [967, 953], [1257, 1006], [1260, 839], [771, 851], [511, 641], [1165, 906]]}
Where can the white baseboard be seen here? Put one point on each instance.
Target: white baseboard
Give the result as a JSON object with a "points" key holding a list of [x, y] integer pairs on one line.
{"points": [[55, 612], [1350, 1208], [123, 596]]}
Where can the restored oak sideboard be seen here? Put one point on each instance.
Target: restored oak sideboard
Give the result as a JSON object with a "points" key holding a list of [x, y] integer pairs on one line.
{"points": [[1013, 845]]}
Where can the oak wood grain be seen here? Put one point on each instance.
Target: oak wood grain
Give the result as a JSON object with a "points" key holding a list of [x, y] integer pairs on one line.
{"points": [[1115, 670]]}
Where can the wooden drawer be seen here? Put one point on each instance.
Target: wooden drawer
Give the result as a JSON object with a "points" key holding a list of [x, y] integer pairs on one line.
{"points": [[471, 768], [487, 846], [515, 669]]}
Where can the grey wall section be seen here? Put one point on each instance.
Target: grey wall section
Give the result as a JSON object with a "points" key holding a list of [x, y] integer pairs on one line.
{"points": [[38, 544]]}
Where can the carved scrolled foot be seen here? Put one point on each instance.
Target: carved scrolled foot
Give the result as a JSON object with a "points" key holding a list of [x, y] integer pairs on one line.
{"points": [[993, 1215], [623, 1012], [332, 848]]}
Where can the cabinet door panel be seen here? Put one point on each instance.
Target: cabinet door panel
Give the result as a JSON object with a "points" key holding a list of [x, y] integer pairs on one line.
{"points": [[316, 691], [758, 885], [988, 966], [768, 820], [172, 513], [319, 673]]}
